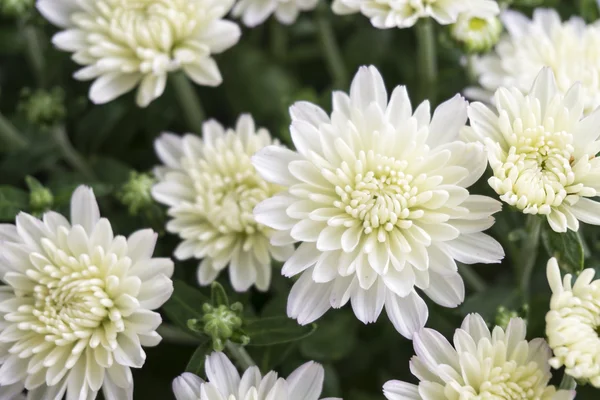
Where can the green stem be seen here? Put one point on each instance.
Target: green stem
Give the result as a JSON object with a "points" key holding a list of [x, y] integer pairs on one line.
{"points": [[188, 101], [528, 253], [427, 59], [331, 50], [471, 278], [568, 383], [240, 355], [71, 155], [278, 38], [10, 135], [35, 53], [173, 334]]}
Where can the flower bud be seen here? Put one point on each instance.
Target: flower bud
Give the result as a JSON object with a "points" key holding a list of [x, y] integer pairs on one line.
{"points": [[135, 194], [43, 108], [476, 34]]}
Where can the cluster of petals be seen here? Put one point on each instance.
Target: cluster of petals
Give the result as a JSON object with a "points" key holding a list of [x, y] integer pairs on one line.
{"points": [[224, 383], [481, 365], [123, 44], [572, 323], [76, 308], [571, 49], [542, 151], [255, 12], [211, 189], [386, 14], [377, 195]]}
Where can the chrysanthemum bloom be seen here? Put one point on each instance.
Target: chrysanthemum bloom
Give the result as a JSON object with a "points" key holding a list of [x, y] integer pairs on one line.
{"points": [[123, 44], [476, 34], [571, 49], [405, 13], [377, 196], [480, 365], [542, 153], [211, 189], [76, 310], [225, 383], [572, 324], [255, 12]]}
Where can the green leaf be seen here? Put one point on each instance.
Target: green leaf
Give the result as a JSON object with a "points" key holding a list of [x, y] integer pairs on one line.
{"points": [[185, 304], [566, 247], [218, 296], [12, 200], [196, 363], [486, 303], [275, 330], [325, 344]]}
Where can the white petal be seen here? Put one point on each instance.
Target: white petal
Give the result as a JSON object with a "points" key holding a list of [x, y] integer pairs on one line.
{"points": [[396, 390], [220, 35], [222, 373], [110, 86], [58, 12], [367, 304], [368, 87], [587, 211], [204, 72], [448, 291], [84, 209], [308, 300], [272, 162], [448, 118], [408, 314], [306, 382]]}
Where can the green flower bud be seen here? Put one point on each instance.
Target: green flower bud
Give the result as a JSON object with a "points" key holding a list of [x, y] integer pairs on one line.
{"points": [[44, 108], [16, 8], [135, 194], [223, 323], [476, 34], [40, 197], [504, 315]]}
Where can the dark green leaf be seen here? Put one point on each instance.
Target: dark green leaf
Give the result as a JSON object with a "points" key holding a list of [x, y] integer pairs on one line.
{"points": [[196, 363], [486, 303], [218, 296], [185, 304], [12, 200], [325, 344], [275, 330], [566, 247]]}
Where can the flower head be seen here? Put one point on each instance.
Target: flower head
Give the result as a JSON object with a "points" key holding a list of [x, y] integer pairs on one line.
{"points": [[225, 383], [476, 34], [405, 13], [481, 365], [211, 189], [542, 153], [571, 49], [76, 310], [127, 43], [255, 12], [572, 323], [377, 195]]}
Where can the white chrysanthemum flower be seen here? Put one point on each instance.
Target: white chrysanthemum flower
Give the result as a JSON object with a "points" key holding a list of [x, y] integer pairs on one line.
{"points": [[76, 310], [480, 365], [377, 194], [572, 323], [542, 153], [255, 12], [405, 13], [14, 391], [211, 189], [476, 33], [225, 383], [129, 43], [571, 49]]}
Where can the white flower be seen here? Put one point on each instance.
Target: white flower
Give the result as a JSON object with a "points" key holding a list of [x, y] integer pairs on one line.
{"points": [[211, 189], [12, 392], [225, 383], [255, 12], [571, 49], [572, 323], [377, 194], [480, 365], [541, 152], [476, 33], [125, 43], [405, 13], [76, 310]]}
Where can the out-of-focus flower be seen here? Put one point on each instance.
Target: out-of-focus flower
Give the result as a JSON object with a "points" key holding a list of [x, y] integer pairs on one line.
{"points": [[255, 12], [404, 14], [476, 34], [542, 153], [16, 8], [377, 194], [481, 365], [211, 189], [76, 308], [44, 108], [124, 44], [572, 323], [571, 49], [225, 383]]}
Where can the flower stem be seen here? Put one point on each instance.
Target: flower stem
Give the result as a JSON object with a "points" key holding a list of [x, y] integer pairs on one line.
{"points": [[331, 50], [71, 155], [427, 59], [278, 37], [240, 355], [473, 280], [528, 253], [10, 135], [568, 383], [35, 53], [173, 334], [188, 101]]}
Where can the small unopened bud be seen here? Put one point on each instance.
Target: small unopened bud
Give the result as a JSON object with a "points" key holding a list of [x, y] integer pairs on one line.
{"points": [[135, 194], [40, 197], [504, 315], [43, 108], [476, 34], [223, 323]]}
